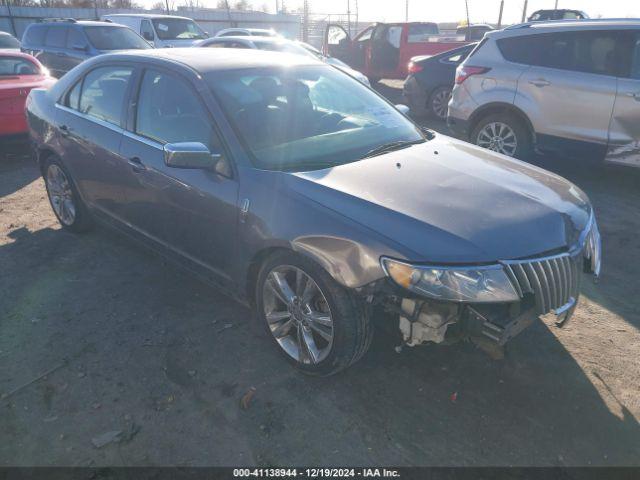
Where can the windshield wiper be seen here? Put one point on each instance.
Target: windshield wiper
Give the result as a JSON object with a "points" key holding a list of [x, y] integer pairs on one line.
{"points": [[392, 146]]}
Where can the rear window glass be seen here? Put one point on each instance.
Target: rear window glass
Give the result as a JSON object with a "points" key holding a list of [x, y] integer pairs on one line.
{"points": [[56, 37], [422, 32], [76, 39], [35, 35], [115, 38], [7, 41], [10, 66]]}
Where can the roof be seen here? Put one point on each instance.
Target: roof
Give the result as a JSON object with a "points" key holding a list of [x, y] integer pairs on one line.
{"points": [[78, 22], [18, 53], [144, 15], [214, 59], [567, 25]]}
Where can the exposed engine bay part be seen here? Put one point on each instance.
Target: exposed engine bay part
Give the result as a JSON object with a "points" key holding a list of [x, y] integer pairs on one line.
{"points": [[422, 321]]}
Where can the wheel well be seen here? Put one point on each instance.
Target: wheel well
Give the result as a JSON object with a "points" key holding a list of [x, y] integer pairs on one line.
{"points": [[254, 267], [495, 108], [43, 154]]}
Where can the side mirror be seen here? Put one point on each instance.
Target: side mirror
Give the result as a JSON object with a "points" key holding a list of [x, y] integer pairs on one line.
{"points": [[190, 155], [402, 109], [148, 36]]}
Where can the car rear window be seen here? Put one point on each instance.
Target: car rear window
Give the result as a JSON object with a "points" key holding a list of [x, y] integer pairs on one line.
{"points": [[35, 35], [11, 66], [7, 41], [56, 37]]}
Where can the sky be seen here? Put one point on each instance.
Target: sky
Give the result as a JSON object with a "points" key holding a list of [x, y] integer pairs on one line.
{"points": [[449, 10]]}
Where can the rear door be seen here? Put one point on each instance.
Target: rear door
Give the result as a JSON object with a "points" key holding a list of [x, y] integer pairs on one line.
{"points": [[77, 46], [624, 130], [55, 52], [190, 211], [337, 43], [90, 119], [569, 90]]}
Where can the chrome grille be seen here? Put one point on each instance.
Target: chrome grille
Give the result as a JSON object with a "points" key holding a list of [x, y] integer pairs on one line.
{"points": [[554, 281]]}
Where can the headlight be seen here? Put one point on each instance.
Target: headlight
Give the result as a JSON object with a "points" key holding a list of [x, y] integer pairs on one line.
{"points": [[456, 284], [593, 247]]}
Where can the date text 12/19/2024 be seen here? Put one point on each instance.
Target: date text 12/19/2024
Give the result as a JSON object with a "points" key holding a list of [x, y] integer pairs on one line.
{"points": [[315, 473]]}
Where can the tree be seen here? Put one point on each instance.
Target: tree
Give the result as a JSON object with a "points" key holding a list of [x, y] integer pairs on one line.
{"points": [[242, 5]]}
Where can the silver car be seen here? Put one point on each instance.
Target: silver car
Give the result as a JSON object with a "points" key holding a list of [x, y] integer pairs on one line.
{"points": [[568, 86]]}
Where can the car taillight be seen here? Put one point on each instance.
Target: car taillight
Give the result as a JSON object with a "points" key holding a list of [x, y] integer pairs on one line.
{"points": [[463, 72], [414, 67]]}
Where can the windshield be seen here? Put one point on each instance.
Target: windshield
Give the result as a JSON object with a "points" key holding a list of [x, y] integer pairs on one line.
{"points": [[285, 47], [115, 38], [7, 41], [178, 29], [11, 66], [309, 117]]}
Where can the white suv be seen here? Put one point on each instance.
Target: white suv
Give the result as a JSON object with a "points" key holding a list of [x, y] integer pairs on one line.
{"points": [[563, 86]]}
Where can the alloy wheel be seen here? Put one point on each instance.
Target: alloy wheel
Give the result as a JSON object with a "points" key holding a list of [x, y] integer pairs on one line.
{"points": [[440, 103], [60, 194], [298, 314], [499, 137]]}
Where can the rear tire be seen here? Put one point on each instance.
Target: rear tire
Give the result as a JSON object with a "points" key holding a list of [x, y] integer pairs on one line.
{"points": [[65, 201], [503, 133], [340, 332], [438, 101]]}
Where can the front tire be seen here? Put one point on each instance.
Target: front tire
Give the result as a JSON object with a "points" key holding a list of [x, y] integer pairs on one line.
{"points": [[318, 325], [438, 103], [503, 133], [65, 201]]}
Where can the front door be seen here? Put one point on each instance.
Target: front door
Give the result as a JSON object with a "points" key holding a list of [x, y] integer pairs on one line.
{"points": [[337, 43], [190, 211], [385, 50], [570, 89], [89, 127], [624, 130]]}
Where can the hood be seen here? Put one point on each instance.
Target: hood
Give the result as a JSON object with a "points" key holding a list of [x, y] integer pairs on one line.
{"points": [[187, 42], [450, 202]]}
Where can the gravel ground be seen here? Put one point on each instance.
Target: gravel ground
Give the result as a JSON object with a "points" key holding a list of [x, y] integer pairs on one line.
{"points": [[102, 341]]}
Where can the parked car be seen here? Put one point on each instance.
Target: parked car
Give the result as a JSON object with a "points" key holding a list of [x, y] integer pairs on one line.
{"points": [[62, 44], [569, 87], [244, 32], [161, 30], [473, 33], [19, 73], [559, 14], [428, 86], [308, 195], [384, 50], [8, 41], [275, 44]]}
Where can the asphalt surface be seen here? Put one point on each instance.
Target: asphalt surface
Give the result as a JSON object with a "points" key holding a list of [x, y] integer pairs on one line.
{"points": [[111, 356]]}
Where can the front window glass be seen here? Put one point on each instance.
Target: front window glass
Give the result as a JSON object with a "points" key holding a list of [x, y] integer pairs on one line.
{"points": [[103, 93], [115, 38], [422, 32], [309, 117], [336, 35], [169, 111], [7, 41], [177, 29], [11, 66]]}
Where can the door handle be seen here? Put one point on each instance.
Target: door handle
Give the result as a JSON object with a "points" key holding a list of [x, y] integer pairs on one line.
{"points": [[64, 130], [540, 82], [136, 164], [634, 95]]}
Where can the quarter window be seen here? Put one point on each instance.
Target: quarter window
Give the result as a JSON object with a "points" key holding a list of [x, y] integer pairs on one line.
{"points": [[169, 111], [103, 93]]}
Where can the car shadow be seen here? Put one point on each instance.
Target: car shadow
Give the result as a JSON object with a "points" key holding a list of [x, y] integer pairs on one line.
{"points": [[144, 347], [16, 168]]}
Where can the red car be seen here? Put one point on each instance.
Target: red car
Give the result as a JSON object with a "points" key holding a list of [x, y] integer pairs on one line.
{"points": [[384, 50], [19, 73]]}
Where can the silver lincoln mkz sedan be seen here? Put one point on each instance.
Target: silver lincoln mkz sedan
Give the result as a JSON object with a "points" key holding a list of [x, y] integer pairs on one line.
{"points": [[296, 188]]}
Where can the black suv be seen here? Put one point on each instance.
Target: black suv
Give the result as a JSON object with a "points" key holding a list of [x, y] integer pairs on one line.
{"points": [[61, 44]]}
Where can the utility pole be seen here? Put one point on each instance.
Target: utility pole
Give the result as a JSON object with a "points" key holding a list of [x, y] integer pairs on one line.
{"points": [[524, 11], [500, 15], [556, 4], [406, 10], [13, 25], [167, 4], [349, 17], [466, 4]]}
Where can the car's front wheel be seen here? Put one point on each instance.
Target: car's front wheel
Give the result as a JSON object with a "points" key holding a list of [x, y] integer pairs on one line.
{"points": [[503, 133], [317, 324], [439, 102], [64, 198]]}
